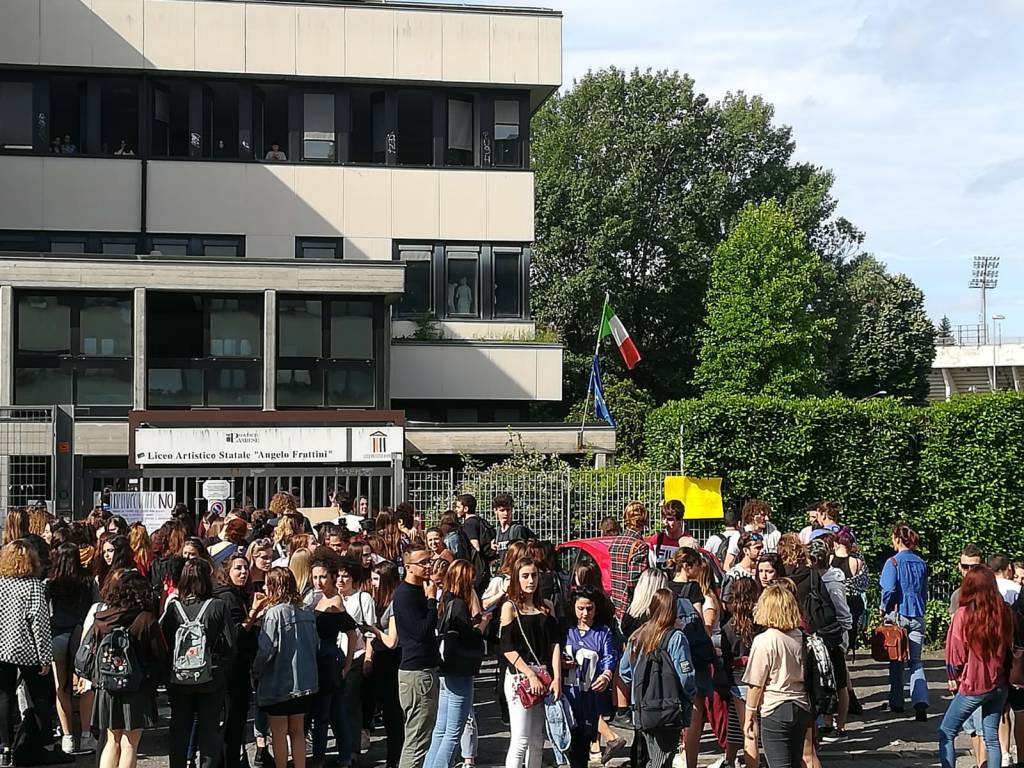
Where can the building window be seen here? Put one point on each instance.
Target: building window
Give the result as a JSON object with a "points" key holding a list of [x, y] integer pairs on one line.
{"points": [[170, 127], [318, 127], [15, 115], [270, 121], [507, 281], [170, 246], [507, 144], [318, 248], [213, 358], [326, 352], [68, 98], [419, 280], [119, 117], [369, 134], [68, 244], [73, 348], [118, 246], [221, 248], [415, 139], [462, 282], [461, 130], [220, 120]]}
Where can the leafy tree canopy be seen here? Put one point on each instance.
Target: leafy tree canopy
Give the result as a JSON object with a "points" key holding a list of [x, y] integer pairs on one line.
{"points": [[763, 334]]}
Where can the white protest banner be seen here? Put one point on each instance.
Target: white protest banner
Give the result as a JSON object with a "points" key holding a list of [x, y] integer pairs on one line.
{"points": [[151, 508]]}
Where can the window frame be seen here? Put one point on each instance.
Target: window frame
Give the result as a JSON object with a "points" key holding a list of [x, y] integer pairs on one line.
{"points": [[401, 249], [321, 367], [15, 78], [75, 361], [521, 276], [303, 242], [208, 363], [467, 253]]}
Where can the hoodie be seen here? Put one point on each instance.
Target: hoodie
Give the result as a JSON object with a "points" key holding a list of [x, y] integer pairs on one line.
{"points": [[835, 582]]}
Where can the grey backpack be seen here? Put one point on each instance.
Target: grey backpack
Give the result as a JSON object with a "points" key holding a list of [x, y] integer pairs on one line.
{"points": [[191, 663]]}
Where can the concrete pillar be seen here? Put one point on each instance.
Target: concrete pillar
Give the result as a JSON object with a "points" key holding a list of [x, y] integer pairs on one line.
{"points": [[139, 349], [1015, 371], [947, 380], [269, 350], [7, 310]]}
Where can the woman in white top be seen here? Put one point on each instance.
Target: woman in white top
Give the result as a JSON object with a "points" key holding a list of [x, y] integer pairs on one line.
{"points": [[775, 676], [711, 605], [360, 606]]}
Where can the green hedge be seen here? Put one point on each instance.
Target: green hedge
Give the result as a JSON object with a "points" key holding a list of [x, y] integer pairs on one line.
{"points": [[954, 471]]}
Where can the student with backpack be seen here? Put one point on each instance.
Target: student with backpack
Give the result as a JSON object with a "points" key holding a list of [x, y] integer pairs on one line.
{"points": [[129, 659], [658, 669], [507, 531], [201, 637], [775, 675], [725, 545]]}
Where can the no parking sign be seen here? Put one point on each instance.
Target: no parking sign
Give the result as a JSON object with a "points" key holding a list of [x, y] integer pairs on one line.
{"points": [[216, 492], [216, 507]]}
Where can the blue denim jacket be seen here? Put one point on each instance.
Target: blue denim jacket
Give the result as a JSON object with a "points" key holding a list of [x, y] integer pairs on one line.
{"points": [[285, 662], [679, 651], [904, 583]]}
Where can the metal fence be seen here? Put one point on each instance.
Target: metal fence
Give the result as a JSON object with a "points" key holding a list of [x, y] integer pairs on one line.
{"points": [[558, 506], [26, 456]]}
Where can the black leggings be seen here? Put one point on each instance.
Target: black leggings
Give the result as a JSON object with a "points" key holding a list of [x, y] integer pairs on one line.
{"points": [[41, 696], [239, 694], [782, 735]]}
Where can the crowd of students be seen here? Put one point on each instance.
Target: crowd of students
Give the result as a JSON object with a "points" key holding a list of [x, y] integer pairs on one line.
{"points": [[329, 630]]}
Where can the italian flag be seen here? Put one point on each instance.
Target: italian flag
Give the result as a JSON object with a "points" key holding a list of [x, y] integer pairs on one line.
{"points": [[612, 326]]}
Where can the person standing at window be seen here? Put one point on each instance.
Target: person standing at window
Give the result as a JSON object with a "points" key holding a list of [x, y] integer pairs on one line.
{"points": [[275, 153], [415, 623], [775, 680], [904, 583]]}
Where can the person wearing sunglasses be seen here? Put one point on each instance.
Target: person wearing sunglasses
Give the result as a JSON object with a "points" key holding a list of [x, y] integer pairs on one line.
{"points": [[414, 621]]}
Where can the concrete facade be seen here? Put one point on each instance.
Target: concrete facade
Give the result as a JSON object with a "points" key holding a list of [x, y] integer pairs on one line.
{"points": [[270, 208], [960, 369]]}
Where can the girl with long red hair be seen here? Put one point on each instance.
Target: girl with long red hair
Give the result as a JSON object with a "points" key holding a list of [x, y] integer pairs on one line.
{"points": [[977, 648]]}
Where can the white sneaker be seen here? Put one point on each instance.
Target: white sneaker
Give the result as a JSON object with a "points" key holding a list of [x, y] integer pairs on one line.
{"points": [[720, 763], [67, 744], [364, 740], [87, 744], [679, 761]]}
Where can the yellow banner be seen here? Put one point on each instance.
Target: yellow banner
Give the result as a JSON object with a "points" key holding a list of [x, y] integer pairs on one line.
{"points": [[701, 496]]}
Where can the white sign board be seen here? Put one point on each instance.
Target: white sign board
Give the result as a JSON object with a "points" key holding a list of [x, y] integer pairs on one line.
{"points": [[151, 508], [377, 443], [216, 489], [241, 445]]}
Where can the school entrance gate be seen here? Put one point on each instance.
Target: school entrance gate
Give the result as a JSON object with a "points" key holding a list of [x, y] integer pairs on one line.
{"points": [[255, 485]]}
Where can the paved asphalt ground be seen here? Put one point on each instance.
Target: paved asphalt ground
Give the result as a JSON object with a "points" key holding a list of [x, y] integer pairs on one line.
{"points": [[877, 738]]}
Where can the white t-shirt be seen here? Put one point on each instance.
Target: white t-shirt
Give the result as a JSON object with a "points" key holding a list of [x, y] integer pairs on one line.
{"points": [[714, 543], [1008, 588], [360, 606]]}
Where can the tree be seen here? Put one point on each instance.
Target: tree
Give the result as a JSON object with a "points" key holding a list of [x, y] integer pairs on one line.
{"points": [[892, 344], [629, 406], [638, 178], [762, 334], [944, 334]]}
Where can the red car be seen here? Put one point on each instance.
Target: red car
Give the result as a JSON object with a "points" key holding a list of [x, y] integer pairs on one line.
{"points": [[596, 550]]}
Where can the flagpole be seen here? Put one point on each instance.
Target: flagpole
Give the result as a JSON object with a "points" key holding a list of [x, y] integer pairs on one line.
{"points": [[590, 384]]}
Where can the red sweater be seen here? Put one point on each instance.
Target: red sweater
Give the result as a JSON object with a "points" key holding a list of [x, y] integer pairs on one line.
{"points": [[975, 675]]}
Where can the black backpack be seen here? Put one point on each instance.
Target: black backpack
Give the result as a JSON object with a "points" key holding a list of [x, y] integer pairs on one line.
{"points": [[476, 557], [658, 698], [117, 665], [821, 611], [820, 677]]}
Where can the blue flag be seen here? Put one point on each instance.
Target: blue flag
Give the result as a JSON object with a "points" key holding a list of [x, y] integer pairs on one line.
{"points": [[600, 406]]}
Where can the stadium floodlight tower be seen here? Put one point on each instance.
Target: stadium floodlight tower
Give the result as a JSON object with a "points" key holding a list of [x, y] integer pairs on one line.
{"points": [[985, 275]]}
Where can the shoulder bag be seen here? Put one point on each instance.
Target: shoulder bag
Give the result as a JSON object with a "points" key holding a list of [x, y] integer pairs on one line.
{"points": [[889, 641], [522, 689]]}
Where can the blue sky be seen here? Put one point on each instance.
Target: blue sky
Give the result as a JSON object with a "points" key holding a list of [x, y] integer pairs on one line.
{"points": [[917, 107]]}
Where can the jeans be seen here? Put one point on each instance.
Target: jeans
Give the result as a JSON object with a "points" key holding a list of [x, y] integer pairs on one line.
{"points": [[418, 692], [453, 708], [782, 735], [329, 707], [526, 729], [960, 708], [918, 684], [201, 707], [470, 737]]}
